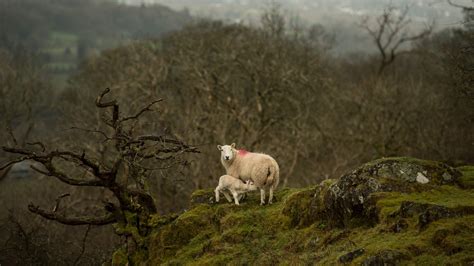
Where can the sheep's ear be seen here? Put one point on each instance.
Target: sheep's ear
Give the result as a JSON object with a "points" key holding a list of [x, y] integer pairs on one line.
{"points": [[219, 147], [232, 145]]}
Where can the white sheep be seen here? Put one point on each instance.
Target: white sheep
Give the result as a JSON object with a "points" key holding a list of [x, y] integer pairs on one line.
{"points": [[262, 169], [235, 186]]}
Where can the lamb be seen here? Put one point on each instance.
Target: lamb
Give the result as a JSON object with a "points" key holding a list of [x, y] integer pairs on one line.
{"points": [[262, 169], [236, 187]]}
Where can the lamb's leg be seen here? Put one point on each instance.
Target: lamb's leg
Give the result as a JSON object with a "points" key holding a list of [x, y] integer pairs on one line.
{"points": [[270, 197], [262, 196], [217, 193], [241, 196], [236, 197], [227, 196]]}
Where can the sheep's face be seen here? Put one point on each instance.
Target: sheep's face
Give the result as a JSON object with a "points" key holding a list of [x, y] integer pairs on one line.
{"points": [[250, 185], [227, 152]]}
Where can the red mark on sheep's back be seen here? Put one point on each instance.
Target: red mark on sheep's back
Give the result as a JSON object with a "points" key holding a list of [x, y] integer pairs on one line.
{"points": [[242, 152]]}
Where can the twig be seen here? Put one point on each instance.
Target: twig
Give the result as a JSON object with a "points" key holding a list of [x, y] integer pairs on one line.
{"points": [[10, 132], [142, 111], [83, 247], [58, 201], [92, 131], [43, 148], [12, 162], [468, 8], [85, 220]]}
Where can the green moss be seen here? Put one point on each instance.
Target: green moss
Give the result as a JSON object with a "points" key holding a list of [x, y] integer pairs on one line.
{"points": [[159, 220], [243, 233], [119, 258], [467, 178], [447, 196], [295, 231], [297, 207], [206, 196], [410, 160], [201, 192], [187, 225]]}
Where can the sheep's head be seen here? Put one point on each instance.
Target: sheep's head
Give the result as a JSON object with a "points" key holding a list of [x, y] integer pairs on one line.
{"points": [[227, 152], [250, 185]]}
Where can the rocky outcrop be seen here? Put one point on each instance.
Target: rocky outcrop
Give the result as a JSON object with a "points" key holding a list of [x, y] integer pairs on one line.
{"points": [[387, 212], [427, 213], [352, 200]]}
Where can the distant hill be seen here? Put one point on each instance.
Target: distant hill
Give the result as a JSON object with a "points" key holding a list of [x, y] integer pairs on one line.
{"points": [[64, 32], [338, 16]]}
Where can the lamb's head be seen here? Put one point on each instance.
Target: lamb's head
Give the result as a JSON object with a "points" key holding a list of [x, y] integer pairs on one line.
{"points": [[227, 152], [250, 186]]}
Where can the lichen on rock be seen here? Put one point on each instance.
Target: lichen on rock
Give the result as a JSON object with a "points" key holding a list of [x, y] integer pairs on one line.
{"points": [[353, 197]]}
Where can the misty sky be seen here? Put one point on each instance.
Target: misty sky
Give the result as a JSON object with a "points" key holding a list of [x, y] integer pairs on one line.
{"points": [[314, 10], [340, 17]]}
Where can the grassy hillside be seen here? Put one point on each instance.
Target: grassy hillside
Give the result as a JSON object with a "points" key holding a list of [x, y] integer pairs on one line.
{"points": [[393, 220]]}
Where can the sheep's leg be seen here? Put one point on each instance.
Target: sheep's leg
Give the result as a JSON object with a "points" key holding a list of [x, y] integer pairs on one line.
{"points": [[270, 197], [240, 197], [236, 197], [262, 196], [217, 194], [227, 196]]}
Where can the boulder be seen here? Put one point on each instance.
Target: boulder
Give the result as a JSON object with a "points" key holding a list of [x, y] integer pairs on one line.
{"points": [[352, 199]]}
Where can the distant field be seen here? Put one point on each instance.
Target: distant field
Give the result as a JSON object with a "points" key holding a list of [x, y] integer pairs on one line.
{"points": [[62, 53]]}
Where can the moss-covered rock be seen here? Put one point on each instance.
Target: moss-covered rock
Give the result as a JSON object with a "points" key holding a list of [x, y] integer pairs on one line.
{"points": [[428, 213], [385, 258], [375, 215], [202, 196], [352, 199], [346, 258]]}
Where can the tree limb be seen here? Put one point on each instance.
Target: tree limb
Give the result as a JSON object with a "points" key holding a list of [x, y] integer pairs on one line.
{"points": [[66, 179], [113, 104], [460, 6], [142, 111], [83, 246], [85, 220]]}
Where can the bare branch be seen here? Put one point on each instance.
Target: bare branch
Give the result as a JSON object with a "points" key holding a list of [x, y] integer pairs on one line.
{"points": [[12, 162], [5, 172], [43, 148], [10, 132], [93, 131], [66, 179], [113, 104], [85, 220], [58, 201], [460, 6], [83, 247], [46, 160], [391, 34], [142, 111]]}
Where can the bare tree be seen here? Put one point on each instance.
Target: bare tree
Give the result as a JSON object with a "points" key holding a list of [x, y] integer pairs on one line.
{"points": [[22, 87], [467, 8], [273, 21], [123, 172], [390, 33], [461, 58]]}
